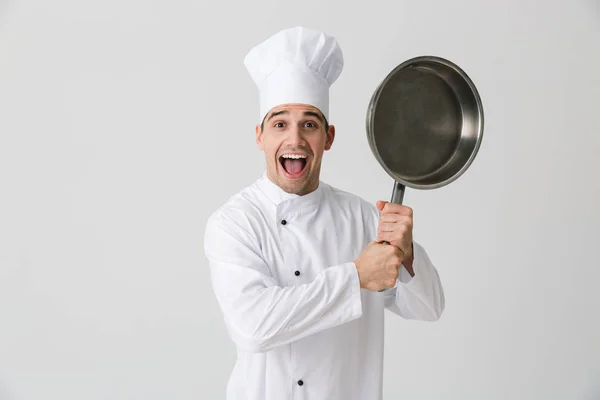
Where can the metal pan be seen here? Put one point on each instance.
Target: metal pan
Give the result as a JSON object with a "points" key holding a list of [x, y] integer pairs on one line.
{"points": [[425, 124]]}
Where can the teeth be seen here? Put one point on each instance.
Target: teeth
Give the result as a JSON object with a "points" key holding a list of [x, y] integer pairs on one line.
{"points": [[295, 156]]}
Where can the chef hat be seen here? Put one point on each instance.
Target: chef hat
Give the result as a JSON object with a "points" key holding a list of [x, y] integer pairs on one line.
{"points": [[296, 65]]}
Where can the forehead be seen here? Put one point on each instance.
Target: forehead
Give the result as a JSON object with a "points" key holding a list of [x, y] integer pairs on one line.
{"points": [[295, 110]]}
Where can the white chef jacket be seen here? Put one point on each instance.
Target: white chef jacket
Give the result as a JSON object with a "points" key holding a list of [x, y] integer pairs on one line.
{"points": [[283, 272]]}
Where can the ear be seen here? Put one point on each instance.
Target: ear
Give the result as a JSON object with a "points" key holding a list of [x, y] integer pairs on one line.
{"points": [[259, 142], [330, 137]]}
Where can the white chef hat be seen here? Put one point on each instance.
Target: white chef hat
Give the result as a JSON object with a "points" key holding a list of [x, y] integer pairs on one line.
{"points": [[295, 66]]}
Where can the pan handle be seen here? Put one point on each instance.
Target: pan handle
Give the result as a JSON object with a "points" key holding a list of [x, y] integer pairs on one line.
{"points": [[398, 193], [398, 198]]}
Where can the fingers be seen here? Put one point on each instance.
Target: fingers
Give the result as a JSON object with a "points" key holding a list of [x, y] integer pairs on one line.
{"points": [[395, 224], [400, 228], [396, 218], [391, 270], [385, 266], [393, 231], [391, 281], [394, 255], [402, 243], [398, 239], [398, 256], [392, 208]]}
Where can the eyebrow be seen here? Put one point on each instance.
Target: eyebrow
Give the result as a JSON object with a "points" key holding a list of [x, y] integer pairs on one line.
{"points": [[314, 114], [306, 113], [276, 113]]}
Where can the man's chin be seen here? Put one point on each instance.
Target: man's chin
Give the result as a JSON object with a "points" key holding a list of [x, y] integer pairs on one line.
{"points": [[296, 186], [291, 186]]}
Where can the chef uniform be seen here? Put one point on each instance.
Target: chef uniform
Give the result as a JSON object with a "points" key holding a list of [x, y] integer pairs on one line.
{"points": [[282, 265]]}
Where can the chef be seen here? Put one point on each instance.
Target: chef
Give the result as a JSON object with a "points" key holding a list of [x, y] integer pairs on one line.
{"points": [[298, 266]]}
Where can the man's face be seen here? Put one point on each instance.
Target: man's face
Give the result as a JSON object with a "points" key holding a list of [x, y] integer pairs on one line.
{"points": [[294, 139]]}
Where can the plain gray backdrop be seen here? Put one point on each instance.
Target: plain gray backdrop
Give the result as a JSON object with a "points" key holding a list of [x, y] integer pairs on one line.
{"points": [[125, 123]]}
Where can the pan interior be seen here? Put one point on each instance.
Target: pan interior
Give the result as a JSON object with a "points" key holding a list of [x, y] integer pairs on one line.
{"points": [[417, 123]]}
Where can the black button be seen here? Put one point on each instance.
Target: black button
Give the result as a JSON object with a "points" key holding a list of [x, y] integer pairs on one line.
{"points": [[300, 382], [283, 222], [297, 273]]}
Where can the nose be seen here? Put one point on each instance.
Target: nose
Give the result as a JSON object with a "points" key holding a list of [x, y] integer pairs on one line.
{"points": [[295, 136]]}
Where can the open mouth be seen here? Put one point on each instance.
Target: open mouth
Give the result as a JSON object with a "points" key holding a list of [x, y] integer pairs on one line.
{"points": [[294, 165]]}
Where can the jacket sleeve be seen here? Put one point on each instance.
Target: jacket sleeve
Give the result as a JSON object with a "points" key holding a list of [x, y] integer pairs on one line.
{"points": [[260, 314], [418, 297]]}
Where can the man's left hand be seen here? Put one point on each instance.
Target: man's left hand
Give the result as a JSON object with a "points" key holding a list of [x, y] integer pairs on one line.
{"points": [[396, 227]]}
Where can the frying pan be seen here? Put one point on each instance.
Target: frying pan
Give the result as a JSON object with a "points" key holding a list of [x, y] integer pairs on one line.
{"points": [[425, 124]]}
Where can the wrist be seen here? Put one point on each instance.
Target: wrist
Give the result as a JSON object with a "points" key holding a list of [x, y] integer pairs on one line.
{"points": [[358, 273]]}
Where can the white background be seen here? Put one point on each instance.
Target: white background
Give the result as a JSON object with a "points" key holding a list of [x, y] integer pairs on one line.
{"points": [[125, 123]]}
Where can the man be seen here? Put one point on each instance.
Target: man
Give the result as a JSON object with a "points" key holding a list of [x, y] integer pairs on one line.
{"points": [[298, 267]]}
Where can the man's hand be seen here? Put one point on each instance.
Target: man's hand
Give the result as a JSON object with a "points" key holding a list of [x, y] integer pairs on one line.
{"points": [[396, 227], [377, 266]]}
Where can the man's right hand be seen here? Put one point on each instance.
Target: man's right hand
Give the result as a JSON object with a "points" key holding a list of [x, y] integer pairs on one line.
{"points": [[378, 266]]}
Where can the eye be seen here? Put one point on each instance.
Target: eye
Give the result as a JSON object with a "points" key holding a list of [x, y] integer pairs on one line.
{"points": [[279, 125], [310, 125]]}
